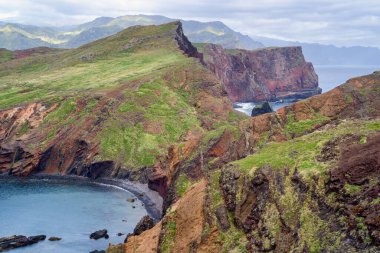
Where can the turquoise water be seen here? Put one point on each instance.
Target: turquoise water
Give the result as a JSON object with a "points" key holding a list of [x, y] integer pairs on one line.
{"points": [[70, 209], [329, 78]]}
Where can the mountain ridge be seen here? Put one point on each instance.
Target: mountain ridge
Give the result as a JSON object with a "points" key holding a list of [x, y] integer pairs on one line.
{"points": [[77, 35]]}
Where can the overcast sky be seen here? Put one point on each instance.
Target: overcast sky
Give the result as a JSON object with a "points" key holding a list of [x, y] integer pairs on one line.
{"points": [[340, 22]]}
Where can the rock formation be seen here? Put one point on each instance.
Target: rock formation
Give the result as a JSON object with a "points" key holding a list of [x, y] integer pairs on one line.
{"points": [[290, 181], [263, 108], [262, 74]]}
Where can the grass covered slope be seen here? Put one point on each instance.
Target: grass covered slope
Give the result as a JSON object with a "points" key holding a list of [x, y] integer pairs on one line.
{"points": [[287, 197], [126, 99], [302, 179]]}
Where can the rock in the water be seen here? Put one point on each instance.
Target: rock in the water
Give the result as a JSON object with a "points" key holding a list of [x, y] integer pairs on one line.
{"points": [[131, 200], [37, 238], [17, 241], [98, 251], [120, 234], [99, 234], [54, 238], [262, 109], [145, 223]]}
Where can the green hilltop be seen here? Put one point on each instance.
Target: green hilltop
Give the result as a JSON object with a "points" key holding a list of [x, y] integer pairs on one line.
{"points": [[138, 83]]}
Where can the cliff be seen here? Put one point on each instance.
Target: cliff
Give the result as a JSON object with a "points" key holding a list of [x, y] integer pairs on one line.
{"points": [[112, 108], [141, 106], [262, 74], [290, 181]]}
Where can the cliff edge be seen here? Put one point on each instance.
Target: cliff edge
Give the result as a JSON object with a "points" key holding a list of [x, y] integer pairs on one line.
{"points": [[263, 74]]}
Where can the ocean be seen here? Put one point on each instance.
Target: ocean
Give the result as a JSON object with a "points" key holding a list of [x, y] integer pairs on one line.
{"points": [[330, 76]]}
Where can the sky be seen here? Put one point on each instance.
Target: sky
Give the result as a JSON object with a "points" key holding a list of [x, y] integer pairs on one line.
{"points": [[338, 22]]}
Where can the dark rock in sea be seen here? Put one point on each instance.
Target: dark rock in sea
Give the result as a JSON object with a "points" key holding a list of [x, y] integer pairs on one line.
{"points": [[17, 241], [262, 109], [53, 238], [145, 223], [120, 234], [99, 234], [131, 200], [98, 251]]}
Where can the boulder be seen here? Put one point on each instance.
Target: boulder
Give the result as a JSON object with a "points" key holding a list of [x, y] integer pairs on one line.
{"points": [[263, 108], [145, 223], [53, 238], [131, 200], [17, 241], [99, 234], [222, 217]]}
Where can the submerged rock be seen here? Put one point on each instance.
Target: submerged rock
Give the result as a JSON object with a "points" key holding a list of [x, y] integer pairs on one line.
{"points": [[53, 238], [17, 241], [262, 109], [131, 200], [98, 251], [99, 234]]}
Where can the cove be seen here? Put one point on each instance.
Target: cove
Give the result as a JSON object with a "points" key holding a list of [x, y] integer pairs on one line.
{"points": [[70, 209]]}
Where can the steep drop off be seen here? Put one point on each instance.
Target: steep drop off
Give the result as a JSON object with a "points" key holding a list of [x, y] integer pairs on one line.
{"points": [[114, 107], [138, 105], [305, 187], [262, 74]]}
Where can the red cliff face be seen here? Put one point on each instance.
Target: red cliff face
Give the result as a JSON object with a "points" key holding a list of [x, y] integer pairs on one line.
{"points": [[264, 74]]}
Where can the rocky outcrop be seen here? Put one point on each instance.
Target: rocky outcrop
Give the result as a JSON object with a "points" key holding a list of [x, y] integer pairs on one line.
{"points": [[263, 108], [17, 241], [279, 209], [263, 74], [145, 223], [99, 234]]}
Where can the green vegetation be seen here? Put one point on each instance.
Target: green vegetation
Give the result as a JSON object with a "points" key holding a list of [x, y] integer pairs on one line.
{"points": [[168, 241], [140, 77], [352, 189], [5, 55], [167, 116], [301, 151], [100, 65], [182, 185], [293, 127]]}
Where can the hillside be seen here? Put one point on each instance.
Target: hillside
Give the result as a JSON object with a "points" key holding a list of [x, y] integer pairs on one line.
{"points": [[308, 184], [116, 104], [141, 105]]}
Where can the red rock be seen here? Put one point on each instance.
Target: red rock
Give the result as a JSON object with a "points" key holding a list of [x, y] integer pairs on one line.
{"points": [[264, 74]]}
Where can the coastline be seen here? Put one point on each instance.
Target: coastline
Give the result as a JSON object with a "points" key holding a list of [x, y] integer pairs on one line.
{"points": [[151, 199]]}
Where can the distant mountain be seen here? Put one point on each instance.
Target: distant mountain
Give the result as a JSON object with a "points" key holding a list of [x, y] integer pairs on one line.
{"points": [[75, 36], [16, 36], [320, 54]]}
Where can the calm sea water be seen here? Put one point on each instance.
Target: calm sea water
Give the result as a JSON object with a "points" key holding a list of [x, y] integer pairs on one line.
{"points": [[329, 78], [70, 210]]}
